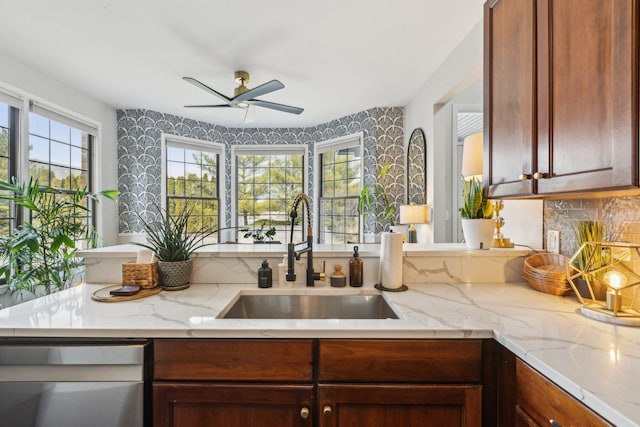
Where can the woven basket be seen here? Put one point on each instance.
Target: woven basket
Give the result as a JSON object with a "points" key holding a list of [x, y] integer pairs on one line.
{"points": [[547, 272], [145, 275]]}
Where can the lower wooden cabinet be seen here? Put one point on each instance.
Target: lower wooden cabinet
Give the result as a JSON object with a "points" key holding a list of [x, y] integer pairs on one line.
{"points": [[232, 405], [325, 383], [386, 405], [525, 398]]}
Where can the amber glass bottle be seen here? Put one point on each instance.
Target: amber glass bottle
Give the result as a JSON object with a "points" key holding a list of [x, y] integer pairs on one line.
{"points": [[355, 269]]}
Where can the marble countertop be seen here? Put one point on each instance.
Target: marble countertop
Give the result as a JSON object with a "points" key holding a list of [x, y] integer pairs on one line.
{"points": [[130, 250], [596, 362]]}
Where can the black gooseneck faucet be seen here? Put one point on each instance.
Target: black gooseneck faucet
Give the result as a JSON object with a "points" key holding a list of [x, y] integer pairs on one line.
{"points": [[294, 250]]}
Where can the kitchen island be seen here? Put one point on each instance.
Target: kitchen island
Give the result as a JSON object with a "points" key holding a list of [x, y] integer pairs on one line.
{"points": [[596, 363]]}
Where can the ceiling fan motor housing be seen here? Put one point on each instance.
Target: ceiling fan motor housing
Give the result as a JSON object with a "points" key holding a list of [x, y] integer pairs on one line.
{"points": [[242, 77]]}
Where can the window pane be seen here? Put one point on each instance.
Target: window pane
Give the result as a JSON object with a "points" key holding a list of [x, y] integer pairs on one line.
{"points": [[76, 157], [4, 142], [191, 175], [38, 125], [60, 132], [340, 189], [266, 186], [38, 149], [4, 115], [60, 153]]}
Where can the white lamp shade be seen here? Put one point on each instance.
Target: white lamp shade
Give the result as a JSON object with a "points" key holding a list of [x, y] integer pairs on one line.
{"points": [[414, 214], [472, 155]]}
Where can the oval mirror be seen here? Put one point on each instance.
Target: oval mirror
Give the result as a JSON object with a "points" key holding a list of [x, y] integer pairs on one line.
{"points": [[417, 168]]}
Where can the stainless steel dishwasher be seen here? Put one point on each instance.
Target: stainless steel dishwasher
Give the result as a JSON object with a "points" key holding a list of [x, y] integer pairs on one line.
{"points": [[71, 383]]}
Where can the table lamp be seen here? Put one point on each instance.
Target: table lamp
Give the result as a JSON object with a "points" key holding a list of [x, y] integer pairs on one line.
{"points": [[411, 215]]}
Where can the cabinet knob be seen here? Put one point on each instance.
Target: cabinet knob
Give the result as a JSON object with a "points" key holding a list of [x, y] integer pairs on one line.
{"points": [[326, 410], [524, 176], [539, 175], [304, 413]]}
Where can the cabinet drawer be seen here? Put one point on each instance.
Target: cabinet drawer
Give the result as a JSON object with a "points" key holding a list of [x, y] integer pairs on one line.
{"points": [[233, 360], [542, 400], [442, 361]]}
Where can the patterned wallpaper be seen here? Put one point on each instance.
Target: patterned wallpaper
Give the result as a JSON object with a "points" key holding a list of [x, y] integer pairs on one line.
{"points": [[139, 154]]}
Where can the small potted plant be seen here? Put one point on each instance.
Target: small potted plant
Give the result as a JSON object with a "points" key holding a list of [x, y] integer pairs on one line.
{"points": [[174, 242], [260, 235], [476, 213], [591, 258]]}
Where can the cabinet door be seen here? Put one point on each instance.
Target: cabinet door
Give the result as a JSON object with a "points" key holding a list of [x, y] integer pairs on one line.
{"points": [[539, 400], [232, 405], [509, 97], [587, 95], [343, 405]]}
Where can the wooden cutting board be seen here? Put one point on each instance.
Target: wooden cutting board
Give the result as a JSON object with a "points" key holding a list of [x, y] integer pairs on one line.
{"points": [[103, 294]]}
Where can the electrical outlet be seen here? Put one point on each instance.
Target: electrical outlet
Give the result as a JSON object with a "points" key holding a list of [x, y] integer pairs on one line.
{"points": [[553, 241]]}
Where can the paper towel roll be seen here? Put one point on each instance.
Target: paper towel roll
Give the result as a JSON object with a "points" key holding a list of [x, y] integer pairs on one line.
{"points": [[390, 273]]}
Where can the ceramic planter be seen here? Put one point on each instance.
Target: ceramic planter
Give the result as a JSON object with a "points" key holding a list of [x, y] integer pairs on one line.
{"points": [[478, 233], [175, 275]]}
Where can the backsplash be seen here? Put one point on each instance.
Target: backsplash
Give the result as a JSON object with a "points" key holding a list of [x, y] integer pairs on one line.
{"points": [[139, 156], [621, 215]]}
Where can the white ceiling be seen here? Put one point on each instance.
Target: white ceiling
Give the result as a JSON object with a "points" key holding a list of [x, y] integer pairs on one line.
{"points": [[335, 57]]}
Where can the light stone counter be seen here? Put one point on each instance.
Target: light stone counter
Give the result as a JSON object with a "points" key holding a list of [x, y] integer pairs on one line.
{"points": [[597, 363]]}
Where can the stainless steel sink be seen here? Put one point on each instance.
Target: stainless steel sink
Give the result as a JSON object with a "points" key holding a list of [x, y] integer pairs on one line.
{"points": [[304, 306]]}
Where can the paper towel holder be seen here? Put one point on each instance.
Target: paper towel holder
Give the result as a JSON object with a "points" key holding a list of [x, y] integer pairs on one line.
{"points": [[380, 287]]}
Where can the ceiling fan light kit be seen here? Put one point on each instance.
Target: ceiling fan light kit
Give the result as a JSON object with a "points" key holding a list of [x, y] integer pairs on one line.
{"points": [[243, 96]]}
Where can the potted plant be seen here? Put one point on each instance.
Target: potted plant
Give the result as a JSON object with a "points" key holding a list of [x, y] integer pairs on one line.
{"points": [[40, 253], [591, 258], [476, 213], [260, 235], [376, 191], [173, 241]]}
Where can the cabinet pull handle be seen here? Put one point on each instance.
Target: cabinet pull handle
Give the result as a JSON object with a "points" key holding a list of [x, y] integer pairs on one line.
{"points": [[304, 413], [539, 175], [326, 410], [554, 423], [524, 176]]}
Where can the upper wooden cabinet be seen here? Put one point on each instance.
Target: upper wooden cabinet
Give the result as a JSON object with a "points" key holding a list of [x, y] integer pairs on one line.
{"points": [[561, 96]]}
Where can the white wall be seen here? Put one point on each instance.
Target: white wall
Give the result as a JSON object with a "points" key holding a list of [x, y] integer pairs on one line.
{"points": [[29, 82], [461, 69]]}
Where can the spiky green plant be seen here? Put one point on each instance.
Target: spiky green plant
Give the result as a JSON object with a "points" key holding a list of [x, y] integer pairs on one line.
{"points": [[476, 205], [592, 257], [171, 238]]}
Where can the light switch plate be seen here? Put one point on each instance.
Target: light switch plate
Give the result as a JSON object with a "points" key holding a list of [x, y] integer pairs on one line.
{"points": [[553, 241]]}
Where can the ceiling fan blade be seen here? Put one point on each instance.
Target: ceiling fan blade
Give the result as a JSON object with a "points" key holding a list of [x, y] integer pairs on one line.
{"points": [[274, 106], [206, 88], [263, 89], [209, 106]]}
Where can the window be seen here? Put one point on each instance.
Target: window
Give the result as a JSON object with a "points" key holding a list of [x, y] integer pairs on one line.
{"points": [[267, 179], [340, 165], [192, 169], [8, 140], [60, 154]]}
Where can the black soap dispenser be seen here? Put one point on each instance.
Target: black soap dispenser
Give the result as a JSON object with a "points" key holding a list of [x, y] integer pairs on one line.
{"points": [[355, 269], [265, 276]]}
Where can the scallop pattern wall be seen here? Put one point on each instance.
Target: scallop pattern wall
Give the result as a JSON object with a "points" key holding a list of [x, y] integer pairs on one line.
{"points": [[139, 155]]}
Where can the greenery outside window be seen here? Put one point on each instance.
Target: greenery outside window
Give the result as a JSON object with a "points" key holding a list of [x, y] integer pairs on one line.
{"points": [[267, 179], [340, 165], [191, 171]]}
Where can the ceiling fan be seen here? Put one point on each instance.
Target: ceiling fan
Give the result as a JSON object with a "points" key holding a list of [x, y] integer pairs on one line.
{"points": [[243, 96]]}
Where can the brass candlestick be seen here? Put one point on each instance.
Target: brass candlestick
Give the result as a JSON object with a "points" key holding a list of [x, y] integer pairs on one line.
{"points": [[499, 241]]}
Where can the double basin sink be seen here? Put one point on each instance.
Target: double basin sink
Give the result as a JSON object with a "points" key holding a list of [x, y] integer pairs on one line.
{"points": [[308, 306]]}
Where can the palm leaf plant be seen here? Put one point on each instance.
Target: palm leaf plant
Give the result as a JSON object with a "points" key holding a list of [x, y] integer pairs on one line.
{"points": [[376, 190], [42, 250]]}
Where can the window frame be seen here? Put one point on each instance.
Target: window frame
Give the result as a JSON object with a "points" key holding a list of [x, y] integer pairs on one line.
{"points": [[255, 149], [347, 141], [217, 148]]}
